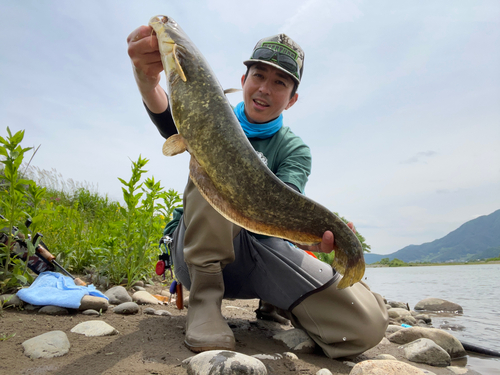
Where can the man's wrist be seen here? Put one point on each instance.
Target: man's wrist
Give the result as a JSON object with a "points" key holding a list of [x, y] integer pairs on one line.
{"points": [[155, 98]]}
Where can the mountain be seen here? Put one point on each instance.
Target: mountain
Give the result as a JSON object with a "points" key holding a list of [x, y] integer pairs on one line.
{"points": [[476, 239]]}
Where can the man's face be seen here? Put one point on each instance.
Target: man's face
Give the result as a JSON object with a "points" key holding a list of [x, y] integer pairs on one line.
{"points": [[266, 93]]}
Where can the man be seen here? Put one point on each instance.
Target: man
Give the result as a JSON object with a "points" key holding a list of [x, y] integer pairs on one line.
{"points": [[215, 258]]}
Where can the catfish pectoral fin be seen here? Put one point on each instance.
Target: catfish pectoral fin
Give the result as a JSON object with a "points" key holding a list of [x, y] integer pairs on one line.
{"points": [[174, 145], [178, 66]]}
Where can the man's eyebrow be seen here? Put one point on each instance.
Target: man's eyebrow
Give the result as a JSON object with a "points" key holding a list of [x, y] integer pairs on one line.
{"points": [[283, 75], [279, 73]]}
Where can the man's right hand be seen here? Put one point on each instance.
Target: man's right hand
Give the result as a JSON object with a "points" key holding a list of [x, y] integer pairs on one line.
{"points": [[146, 60]]}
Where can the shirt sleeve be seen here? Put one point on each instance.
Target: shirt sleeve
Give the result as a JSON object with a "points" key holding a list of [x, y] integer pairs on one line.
{"points": [[164, 122], [295, 168]]}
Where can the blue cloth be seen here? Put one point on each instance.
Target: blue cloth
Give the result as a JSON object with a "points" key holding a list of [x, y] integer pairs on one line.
{"points": [[265, 130], [54, 289]]}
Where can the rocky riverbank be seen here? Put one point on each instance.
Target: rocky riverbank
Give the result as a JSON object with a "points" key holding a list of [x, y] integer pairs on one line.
{"points": [[139, 333]]}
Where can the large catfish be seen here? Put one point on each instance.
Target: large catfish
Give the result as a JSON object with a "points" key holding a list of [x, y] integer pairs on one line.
{"points": [[225, 167]]}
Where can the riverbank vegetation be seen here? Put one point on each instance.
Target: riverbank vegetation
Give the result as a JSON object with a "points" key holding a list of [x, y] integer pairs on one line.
{"points": [[84, 230]]}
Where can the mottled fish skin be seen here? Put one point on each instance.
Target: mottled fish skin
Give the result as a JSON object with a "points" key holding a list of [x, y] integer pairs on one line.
{"points": [[225, 167]]}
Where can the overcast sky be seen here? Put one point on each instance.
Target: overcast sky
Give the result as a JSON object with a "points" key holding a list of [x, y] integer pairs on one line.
{"points": [[400, 101]]}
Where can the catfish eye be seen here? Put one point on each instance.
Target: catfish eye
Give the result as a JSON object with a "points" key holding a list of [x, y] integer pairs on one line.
{"points": [[164, 19]]}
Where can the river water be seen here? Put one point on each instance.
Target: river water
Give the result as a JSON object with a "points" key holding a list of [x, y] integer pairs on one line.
{"points": [[474, 287]]}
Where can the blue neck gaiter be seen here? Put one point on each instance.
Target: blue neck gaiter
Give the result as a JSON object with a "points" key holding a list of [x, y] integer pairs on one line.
{"points": [[252, 130]]}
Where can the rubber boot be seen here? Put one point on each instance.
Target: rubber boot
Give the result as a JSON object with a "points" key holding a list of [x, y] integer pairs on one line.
{"points": [[344, 323], [206, 328]]}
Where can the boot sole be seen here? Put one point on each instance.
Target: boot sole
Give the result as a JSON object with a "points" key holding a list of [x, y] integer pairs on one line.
{"points": [[199, 349]]}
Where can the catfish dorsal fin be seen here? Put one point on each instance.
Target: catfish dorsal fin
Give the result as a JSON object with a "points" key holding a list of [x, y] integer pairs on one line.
{"points": [[230, 91], [174, 145]]}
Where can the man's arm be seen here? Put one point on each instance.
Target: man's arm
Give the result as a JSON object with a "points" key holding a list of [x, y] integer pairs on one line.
{"points": [[147, 66], [146, 61]]}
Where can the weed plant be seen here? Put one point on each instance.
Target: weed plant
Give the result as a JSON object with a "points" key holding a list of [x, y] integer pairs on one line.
{"points": [[13, 204]]}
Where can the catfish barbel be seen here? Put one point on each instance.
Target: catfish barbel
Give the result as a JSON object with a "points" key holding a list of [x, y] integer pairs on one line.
{"points": [[225, 167]]}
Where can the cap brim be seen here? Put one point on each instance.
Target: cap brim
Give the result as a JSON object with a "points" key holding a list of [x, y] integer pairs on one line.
{"points": [[251, 62]]}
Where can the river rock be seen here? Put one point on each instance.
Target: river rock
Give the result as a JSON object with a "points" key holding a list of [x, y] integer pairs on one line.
{"points": [[94, 328], [30, 307], [428, 352], [290, 355], [426, 318], [452, 327], [91, 312], [92, 302], [399, 305], [398, 313], [375, 367], [127, 308], [149, 311], [272, 357], [437, 304], [117, 295], [224, 362], [144, 298], [47, 345], [391, 328], [139, 289], [443, 339], [296, 340], [462, 370], [165, 293], [385, 357], [163, 313], [53, 310], [324, 371], [10, 300], [408, 319], [384, 342]]}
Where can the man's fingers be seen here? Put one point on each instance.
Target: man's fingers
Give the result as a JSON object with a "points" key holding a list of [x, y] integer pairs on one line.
{"points": [[351, 225], [152, 70], [140, 33], [144, 53]]}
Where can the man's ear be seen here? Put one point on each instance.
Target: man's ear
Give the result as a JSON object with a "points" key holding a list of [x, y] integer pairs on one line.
{"points": [[242, 80], [292, 101]]}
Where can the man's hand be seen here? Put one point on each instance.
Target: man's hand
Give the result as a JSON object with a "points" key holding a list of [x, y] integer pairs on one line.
{"points": [[146, 60], [327, 244]]}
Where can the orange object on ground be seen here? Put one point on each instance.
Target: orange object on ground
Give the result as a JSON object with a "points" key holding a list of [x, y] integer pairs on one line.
{"points": [[161, 298]]}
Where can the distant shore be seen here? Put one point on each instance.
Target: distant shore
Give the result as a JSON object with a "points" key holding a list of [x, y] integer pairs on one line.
{"points": [[377, 265]]}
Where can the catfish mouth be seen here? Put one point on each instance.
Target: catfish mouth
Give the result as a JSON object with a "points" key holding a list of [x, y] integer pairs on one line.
{"points": [[159, 19]]}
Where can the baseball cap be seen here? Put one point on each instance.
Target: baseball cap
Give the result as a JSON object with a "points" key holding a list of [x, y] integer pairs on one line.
{"points": [[281, 52]]}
